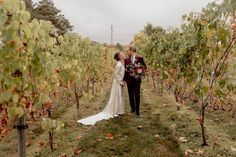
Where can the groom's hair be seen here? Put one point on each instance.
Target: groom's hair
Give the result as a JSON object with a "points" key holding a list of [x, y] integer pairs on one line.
{"points": [[131, 48], [117, 56]]}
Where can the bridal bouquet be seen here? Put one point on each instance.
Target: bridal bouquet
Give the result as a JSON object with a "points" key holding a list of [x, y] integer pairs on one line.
{"points": [[136, 70]]}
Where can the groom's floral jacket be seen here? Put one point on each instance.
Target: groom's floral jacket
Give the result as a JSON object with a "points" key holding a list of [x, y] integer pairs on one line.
{"points": [[136, 70]]}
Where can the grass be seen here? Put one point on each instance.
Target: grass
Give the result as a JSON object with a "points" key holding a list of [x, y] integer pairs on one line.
{"points": [[183, 123], [133, 137], [155, 134], [129, 139]]}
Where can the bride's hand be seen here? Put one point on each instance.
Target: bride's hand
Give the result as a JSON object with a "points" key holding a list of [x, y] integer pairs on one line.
{"points": [[122, 83]]}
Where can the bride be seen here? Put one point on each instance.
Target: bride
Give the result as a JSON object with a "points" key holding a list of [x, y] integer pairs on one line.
{"points": [[115, 105]]}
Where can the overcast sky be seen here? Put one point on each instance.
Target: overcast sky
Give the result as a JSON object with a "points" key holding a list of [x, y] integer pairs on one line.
{"points": [[93, 18]]}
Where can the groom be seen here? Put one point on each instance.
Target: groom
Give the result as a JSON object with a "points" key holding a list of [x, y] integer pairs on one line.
{"points": [[135, 68]]}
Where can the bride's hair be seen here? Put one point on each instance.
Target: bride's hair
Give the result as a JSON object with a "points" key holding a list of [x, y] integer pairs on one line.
{"points": [[117, 56]]}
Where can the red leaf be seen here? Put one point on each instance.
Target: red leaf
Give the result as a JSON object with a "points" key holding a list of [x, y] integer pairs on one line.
{"points": [[4, 132], [41, 143], [109, 136], [28, 143], [66, 133]]}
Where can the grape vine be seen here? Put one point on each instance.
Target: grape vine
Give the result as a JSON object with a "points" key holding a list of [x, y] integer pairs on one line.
{"points": [[35, 65], [195, 61]]}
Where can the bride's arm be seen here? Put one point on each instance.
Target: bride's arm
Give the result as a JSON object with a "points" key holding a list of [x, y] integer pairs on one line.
{"points": [[118, 76]]}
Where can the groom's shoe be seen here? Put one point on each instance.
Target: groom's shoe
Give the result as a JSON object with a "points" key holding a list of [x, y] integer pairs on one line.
{"points": [[138, 115]]}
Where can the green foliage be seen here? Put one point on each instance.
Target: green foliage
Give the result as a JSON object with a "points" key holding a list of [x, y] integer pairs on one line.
{"points": [[194, 60], [34, 65], [192, 52]]}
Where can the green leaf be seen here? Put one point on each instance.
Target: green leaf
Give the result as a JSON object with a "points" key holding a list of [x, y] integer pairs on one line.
{"points": [[205, 89], [19, 111], [5, 97], [27, 31], [219, 92], [15, 98], [12, 111]]}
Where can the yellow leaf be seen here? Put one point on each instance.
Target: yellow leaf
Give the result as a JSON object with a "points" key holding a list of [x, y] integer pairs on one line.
{"points": [[15, 98], [209, 34]]}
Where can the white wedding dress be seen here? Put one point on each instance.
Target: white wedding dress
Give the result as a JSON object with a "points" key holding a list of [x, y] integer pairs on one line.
{"points": [[115, 105]]}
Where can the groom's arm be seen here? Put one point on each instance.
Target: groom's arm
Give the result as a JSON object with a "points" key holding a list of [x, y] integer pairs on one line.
{"points": [[125, 77]]}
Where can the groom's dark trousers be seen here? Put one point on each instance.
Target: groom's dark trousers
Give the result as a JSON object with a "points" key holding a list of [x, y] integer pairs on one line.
{"points": [[134, 93]]}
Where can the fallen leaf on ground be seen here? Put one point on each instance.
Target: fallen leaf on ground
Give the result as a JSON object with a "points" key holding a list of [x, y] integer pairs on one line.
{"points": [[165, 105], [188, 151], [182, 139], [200, 152], [66, 133], [64, 155], [139, 126], [173, 126], [31, 132], [98, 140], [41, 143], [109, 136], [78, 138], [77, 151], [28, 143]]}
